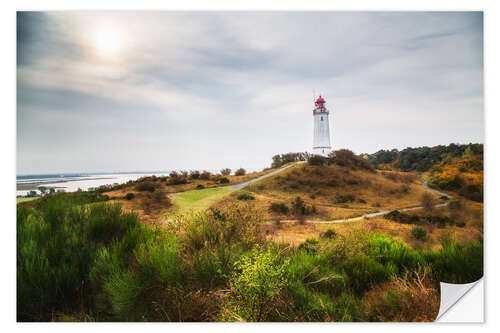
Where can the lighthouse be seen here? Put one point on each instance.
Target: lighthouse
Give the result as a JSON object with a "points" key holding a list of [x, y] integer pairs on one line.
{"points": [[321, 142]]}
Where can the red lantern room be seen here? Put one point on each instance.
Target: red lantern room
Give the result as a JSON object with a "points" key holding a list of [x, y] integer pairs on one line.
{"points": [[320, 102]]}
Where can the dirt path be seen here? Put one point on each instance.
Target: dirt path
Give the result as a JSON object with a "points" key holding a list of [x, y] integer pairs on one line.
{"points": [[200, 199], [251, 181], [382, 212]]}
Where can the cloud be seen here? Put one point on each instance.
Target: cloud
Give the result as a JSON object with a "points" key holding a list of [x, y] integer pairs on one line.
{"points": [[208, 90]]}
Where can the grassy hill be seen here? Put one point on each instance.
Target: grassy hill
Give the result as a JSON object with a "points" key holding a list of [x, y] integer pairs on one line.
{"points": [[334, 192]]}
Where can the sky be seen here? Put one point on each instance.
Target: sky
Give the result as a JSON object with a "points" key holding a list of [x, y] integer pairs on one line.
{"points": [[150, 91]]}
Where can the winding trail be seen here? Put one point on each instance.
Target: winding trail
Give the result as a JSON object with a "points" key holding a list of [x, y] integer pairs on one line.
{"points": [[382, 212], [240, 186], [251, 181]]}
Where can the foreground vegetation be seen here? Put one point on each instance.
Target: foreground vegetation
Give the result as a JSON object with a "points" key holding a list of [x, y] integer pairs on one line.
{"points": [[82, 259], [230, 255]]}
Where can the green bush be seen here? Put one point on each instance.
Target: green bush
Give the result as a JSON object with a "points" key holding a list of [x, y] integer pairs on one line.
{"points": [[240, 172], [363, 272], [329, 234], [129, 196], [456, 262], [418, 233], [257, 283], [317, 160], [57, 245], [223, 180], [344, 198], [245, 196], [279, 208], [300, 208], [311, 245]]}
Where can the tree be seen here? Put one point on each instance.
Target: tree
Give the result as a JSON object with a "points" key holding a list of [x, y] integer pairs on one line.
{"points": [[240, 172], [427, 201], [225, 172]]}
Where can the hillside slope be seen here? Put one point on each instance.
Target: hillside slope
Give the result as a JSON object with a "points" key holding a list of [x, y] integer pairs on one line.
{"points": [[332, 192]]}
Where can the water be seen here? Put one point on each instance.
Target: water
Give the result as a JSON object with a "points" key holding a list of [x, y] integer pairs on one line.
{"points": [[72, 182]]}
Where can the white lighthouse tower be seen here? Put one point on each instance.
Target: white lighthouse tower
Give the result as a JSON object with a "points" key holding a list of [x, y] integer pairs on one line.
{"points": [[321, 143]]}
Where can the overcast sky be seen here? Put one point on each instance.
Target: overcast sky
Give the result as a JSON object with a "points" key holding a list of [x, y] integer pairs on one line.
{"points": [[130, 91]]}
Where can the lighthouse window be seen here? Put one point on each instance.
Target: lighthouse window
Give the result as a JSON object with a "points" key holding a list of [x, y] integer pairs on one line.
{"points": [[321, 118]]}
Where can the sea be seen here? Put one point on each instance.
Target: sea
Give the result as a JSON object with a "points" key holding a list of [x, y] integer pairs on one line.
{"points": [[71, 182]]}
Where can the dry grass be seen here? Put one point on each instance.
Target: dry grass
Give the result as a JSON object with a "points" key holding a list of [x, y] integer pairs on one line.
{"points": [[322, 186], [411, 298], [471, 213], [150, 210]]}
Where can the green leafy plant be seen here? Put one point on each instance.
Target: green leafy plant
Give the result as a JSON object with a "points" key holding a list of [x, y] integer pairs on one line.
{"points": [[418, 233]]}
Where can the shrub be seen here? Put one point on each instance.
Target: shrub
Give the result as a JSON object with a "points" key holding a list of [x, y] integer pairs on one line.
{"points": [[460, 224], [364, 271], [129, 196], [245, 196], [344, 198], [279, 208], [329, 234], [205, 175], [298, 206], [200, 186], [457, 263], [225, 172], [223, 180], [233, 224], [161, 197], [347, 158], [257, 284], [57, 245], [427, 201], [282, 159], [361, 200], [240, 172], [418, 233], [195, 174], [397, 216], [311, 245], [176, 178], [455, 205], [145, 186], [472, 192], [317, 160]]}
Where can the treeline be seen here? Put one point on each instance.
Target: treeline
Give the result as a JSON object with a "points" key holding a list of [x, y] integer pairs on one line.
{"points": [[422, 158], [174, 178], [282, 159], [343, 158], [78, 259]]}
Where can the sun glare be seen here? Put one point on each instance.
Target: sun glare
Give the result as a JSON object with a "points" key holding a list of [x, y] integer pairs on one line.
{"points": [[107, 42]]}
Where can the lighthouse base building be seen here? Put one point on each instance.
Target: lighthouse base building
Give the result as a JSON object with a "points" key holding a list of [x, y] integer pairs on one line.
{"points": [[321, 141]]}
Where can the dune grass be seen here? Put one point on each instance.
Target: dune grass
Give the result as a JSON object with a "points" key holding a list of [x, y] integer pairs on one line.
{"points": [[198, 200]]}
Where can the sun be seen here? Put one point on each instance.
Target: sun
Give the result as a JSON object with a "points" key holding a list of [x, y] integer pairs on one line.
{"points": [[107, 42]]}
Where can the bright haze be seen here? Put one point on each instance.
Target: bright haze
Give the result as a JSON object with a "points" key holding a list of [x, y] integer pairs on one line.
{"points": [[144, 91]]}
